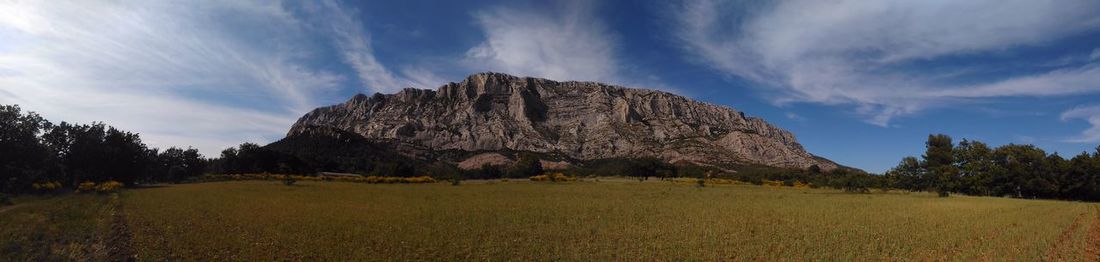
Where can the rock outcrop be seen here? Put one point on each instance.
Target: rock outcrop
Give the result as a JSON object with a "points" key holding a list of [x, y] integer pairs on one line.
{"points": [[580, 120]]}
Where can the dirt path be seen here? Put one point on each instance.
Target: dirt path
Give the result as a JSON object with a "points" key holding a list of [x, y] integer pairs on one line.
{"points": [[1092, 249], [6, 208], [1065, 238], [118, 242]]}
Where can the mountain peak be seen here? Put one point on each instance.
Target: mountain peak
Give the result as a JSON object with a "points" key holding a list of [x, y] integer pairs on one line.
{"points": [[581, 120]]}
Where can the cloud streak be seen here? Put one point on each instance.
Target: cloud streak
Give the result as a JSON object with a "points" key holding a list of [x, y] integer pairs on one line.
{"points": [[862, 53], [209, 74], [1090, 114], [568, 44]]}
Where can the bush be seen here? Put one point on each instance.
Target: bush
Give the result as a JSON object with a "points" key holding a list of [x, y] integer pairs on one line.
{"points": [[554, 177], [108, 187], [5, 200], [773, 183], [85, 187], [289, 180], [418, 180], [46, 187]]}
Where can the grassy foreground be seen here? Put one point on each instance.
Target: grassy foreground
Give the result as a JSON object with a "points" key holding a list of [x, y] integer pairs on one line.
{"points": [[264, 220]]}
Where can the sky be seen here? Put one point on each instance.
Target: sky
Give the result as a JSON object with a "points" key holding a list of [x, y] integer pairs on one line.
{"points": [[860, 82]]}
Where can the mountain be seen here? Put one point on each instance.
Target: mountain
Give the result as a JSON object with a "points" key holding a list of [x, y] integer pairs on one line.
{"points": [[490, 112]]}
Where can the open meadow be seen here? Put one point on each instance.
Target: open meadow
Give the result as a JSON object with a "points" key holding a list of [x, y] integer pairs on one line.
{"points": [[523, 220]]}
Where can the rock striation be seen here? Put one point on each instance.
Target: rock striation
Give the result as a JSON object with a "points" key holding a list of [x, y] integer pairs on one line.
{"points": [[580, 120]]}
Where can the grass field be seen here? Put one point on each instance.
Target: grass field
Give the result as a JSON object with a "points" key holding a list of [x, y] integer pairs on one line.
{"points": [[265, 220]]}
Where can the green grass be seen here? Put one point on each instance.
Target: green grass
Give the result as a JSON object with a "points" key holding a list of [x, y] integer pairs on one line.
{"points": [[264, 220]]}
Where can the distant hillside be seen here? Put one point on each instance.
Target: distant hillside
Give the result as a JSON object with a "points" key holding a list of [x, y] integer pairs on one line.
{"points": [[576, 120]]}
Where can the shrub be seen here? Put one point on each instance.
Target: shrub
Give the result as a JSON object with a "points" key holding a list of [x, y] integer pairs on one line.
{"points": [[46, 187], [418, 180], [721, 181], [289, 180], [5, 200], [773, 183], [701, 182], [86, 187], [554, 177], [108, 187]]}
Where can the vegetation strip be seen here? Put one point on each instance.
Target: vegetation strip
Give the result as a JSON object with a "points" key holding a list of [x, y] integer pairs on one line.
{"points": [[119, 239]]}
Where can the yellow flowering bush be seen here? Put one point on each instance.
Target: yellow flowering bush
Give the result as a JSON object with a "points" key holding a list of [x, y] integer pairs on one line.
{"points": [[419, 180], [87, 186], [46, 186], [722, 181], [773, 183], [553, 177], [108, 187]]}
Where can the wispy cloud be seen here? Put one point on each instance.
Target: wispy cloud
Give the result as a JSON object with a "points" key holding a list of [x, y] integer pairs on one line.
{"points": [[566, 44], [795, 117], [1091, 114], [855, 52], [180, 73]]}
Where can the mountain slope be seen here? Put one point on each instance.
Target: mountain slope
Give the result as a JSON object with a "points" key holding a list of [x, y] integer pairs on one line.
{"points": [[580, 120]]}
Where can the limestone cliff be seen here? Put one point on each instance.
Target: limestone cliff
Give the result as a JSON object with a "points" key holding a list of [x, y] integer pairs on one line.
{"points": [[581, 120]]}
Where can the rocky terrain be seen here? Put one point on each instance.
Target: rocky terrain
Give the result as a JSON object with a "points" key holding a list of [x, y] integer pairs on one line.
{"points": [[578, 120]]}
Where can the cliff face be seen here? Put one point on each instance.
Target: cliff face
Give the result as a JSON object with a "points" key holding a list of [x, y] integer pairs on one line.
{"points": [[582, 120]]}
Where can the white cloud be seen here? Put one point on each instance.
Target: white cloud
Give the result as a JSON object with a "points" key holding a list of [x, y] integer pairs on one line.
{"points": [[1091, 114], [205, 73], [569, 44], [850, 52], [353, 43], [795, 117]]}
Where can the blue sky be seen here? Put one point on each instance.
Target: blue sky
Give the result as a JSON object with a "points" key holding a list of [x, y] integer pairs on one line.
{"points": [[859, 82]]}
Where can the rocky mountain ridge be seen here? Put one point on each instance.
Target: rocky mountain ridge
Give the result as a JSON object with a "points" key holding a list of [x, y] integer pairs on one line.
{"points": [[580, 120]]}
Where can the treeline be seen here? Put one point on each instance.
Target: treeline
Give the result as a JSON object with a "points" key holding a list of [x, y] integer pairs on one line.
{"points": [[320, 149], [33, 150], [1021, 171], [845, 178]]}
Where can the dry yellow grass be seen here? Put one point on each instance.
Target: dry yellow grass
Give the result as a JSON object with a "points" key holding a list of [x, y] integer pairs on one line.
{"points": [[264, 220]]}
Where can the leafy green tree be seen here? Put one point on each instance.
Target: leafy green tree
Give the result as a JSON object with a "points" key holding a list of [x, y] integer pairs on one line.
{"points": [[229, 162], [1018, 171], [909, 174], [974, 161], [23, 158], [528, 165], [488, 171], [939, 160]]}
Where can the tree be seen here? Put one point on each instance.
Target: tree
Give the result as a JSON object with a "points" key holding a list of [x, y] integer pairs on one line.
{"points": [[229, 162], [939, 162], [23, 158], [177, 164], [528, 165], [909, 174], [974, 161], [1018, 171], [487, 171], [34, 150]]}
